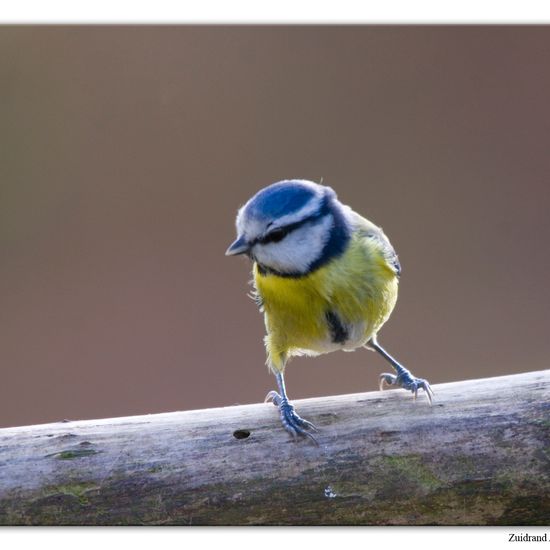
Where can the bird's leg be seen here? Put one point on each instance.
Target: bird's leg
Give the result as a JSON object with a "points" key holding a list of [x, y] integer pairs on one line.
{"points": [[292, 422], [404, 377]]}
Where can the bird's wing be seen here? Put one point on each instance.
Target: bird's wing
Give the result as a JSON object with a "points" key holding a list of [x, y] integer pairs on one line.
{"points": [[370, 231]]}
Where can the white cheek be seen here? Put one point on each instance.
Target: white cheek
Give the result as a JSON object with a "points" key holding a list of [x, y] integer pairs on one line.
{"points": [[298, 250]]}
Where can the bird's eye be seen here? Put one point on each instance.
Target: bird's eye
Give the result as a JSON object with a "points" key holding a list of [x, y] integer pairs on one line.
{"points": [[275, 236]]}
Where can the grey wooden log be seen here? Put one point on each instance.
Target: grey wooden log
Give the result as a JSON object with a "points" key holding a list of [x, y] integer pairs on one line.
{"points": [[479, 456]]}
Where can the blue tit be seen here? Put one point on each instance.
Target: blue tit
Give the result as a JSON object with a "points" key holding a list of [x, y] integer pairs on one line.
{"points": [[325, 278]]}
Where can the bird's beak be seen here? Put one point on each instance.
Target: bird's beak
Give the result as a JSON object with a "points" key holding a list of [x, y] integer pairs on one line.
{"points": [[240, 246]]}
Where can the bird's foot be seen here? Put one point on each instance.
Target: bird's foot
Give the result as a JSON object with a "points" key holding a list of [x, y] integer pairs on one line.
{"points": [[293, 423], [407, 381]]}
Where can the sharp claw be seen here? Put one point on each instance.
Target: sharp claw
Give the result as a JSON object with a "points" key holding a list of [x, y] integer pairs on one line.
{"points": [[312, 438], [291, 421], [303, 432], [408, 382], [306, 424], [388, 378], [302, 422], [311, 426], [429, 393], [272, 396]]}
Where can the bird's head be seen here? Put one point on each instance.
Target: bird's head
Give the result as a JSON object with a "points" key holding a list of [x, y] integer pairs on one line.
{"points": [[291, 228]]}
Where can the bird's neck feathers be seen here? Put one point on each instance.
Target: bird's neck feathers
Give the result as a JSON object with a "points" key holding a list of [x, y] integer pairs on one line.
{"points": [[322, 238]]}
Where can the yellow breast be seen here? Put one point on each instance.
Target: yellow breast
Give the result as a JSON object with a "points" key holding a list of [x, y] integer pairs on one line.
{"points": [[359, 288]]}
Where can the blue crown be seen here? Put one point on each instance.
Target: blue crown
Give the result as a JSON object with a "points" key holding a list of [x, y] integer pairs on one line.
{"points": [[282, 198]]}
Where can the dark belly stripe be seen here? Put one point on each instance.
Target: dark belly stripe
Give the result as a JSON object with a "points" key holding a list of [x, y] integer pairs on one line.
{"points": [[338, 331]]}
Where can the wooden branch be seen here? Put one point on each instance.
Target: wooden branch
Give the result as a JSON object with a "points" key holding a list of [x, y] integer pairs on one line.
{"points": [[480, 455]]}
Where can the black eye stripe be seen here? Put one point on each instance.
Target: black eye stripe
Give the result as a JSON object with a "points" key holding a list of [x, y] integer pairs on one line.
{"points": [[276, 235], [280, 233]]}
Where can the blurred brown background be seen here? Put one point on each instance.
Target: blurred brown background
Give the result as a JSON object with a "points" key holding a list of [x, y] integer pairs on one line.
{"points": [[126, 151]]}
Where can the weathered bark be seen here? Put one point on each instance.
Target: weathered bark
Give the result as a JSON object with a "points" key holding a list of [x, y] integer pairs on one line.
{"points": [[480, 455]]}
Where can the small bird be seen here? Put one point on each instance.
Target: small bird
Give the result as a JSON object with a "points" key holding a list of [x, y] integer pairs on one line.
{"points": [[325, 278]]}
